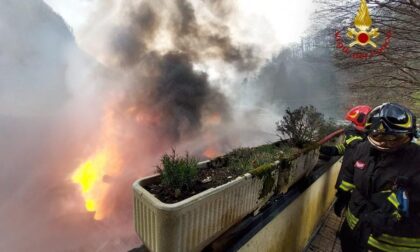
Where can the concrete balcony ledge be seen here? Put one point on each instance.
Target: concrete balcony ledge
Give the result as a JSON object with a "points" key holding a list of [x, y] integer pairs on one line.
{"points": [[290, 221]]}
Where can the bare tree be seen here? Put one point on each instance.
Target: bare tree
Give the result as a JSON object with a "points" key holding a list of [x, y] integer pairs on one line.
{"points": [[395, 72]]}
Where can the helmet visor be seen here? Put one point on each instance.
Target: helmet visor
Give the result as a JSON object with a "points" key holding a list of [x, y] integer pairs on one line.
{"points": [[388, 141]]}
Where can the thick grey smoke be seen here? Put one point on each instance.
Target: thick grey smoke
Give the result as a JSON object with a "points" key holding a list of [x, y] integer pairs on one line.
{"points": [[32, 58], [200, 41], [295, 78], [166, 84], [209, 41], [221, 8], [175, 94]]}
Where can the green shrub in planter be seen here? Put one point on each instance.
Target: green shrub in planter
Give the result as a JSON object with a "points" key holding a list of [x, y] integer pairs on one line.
{"points": [[178, 172], [304, 125]]}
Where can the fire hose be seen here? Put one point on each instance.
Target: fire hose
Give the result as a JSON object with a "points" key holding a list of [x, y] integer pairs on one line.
{"points": [[319, 143], [331, 136]]}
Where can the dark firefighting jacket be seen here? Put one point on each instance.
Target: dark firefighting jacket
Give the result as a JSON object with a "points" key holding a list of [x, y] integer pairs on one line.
{"points": [[372, 176], [352, 136]]}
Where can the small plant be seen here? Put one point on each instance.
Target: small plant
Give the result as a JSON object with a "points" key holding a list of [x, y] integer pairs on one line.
{"points": [[302, 125], [242, 160], [178, 172]]}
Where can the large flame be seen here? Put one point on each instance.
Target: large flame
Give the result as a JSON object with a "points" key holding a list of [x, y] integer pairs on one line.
{"points": [[93, 175]]}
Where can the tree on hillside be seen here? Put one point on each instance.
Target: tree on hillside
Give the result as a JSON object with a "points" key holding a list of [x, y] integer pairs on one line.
{"points": [[397, 71]]}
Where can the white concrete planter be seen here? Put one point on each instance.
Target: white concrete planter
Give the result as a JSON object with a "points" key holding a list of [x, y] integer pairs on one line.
{"points": [[299, 168], [191, 224]]}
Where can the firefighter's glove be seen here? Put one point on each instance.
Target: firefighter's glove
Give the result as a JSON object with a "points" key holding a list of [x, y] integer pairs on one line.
{"points": [[385, 216], [341, 202], [377, 222]]}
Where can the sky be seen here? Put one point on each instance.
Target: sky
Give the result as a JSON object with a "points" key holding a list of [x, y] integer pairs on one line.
{"points": [[75, 12]]}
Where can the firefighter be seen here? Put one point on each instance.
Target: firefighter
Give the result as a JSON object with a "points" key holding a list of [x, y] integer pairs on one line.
{"points": [[381, 177], [353, 133]]}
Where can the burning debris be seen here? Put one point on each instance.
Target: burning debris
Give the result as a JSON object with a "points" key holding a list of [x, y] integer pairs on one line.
{"points": [[211, 153]]}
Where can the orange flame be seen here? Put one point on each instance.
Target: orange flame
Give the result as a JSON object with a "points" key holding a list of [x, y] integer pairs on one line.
{"points": [[213, 119], [91, 174], [211, 153]]}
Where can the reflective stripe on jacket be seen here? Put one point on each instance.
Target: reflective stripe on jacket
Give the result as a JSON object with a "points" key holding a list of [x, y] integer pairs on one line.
{"points": [[352, 135], [341, 148], [386, 242], [366, 173]]}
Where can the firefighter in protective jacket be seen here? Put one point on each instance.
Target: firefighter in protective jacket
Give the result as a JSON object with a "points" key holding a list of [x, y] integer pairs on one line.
{"points": [[381, 178], [353, 133]]}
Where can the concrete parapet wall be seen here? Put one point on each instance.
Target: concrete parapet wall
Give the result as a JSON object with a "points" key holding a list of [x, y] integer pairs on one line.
{"points": [[291, 230]]}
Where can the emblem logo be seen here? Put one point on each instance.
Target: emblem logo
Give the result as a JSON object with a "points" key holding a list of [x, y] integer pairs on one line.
{"points": [[360, 165], [381, 128], [362, 34]]}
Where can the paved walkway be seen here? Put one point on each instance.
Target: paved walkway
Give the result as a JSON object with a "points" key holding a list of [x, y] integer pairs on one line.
{"points": [[325, 239]]}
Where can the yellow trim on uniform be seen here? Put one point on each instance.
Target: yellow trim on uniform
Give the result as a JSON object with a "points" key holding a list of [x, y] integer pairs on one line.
{"points": [[386, 242], [346, 186], [341, 148], [400, 241], [397, 215], [385, 191], [389, 247], [351, 219], [351, 139], [393, 199]]}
